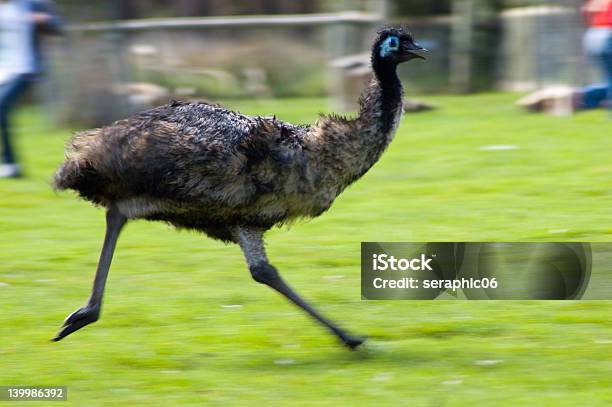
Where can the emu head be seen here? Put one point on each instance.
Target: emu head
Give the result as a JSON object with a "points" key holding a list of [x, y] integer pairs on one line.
{"points": [[395, 45]]}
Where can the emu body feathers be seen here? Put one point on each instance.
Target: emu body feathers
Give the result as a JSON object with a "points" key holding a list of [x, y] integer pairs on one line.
{"points": [[203, 167]]}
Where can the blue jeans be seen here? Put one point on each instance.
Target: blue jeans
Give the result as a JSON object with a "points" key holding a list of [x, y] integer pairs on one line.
{"points": [[598, 46], [10, 91]]}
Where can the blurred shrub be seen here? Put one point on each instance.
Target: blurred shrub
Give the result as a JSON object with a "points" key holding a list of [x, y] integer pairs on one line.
{"points": [[289, 68]]}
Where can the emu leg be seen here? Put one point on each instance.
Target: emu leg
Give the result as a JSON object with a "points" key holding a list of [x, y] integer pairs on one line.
{"points": [[91, 312], [252, 245]]}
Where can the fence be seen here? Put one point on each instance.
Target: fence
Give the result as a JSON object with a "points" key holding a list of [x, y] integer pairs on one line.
{"points": [[109, 69], [542, 46], [213, 57]]}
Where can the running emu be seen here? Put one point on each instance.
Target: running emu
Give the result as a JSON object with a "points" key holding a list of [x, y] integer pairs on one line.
{"points": [[233, 177]]}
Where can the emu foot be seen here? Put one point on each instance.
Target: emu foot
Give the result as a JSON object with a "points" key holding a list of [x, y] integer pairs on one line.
{"points": [[77, 320], [352, 342]]}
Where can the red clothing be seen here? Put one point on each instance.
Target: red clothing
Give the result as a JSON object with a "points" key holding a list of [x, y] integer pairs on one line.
{"points": [[599, 16]]}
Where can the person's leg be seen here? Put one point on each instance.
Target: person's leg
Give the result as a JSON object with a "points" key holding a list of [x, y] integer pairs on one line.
{"points": [[607, 66], [7, 150], [9, 93], [598, 46], [593, 96]]}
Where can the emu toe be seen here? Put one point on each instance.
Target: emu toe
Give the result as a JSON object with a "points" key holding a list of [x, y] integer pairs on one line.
{"points": [[77, 320], [352, 342]]}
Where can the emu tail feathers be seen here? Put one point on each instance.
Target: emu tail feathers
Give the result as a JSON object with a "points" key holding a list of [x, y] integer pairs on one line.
{"points": [[81, 177], [66, 177]]}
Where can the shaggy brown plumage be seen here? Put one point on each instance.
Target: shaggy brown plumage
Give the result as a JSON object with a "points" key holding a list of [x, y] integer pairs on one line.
{"points": [[203, 167]]}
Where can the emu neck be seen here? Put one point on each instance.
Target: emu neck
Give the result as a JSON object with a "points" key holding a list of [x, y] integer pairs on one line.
{"points": [[344, 150], [380, 113], [387, 99]]}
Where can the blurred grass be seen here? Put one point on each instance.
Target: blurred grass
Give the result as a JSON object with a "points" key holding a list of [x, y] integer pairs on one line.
{"points": [[183, 323]]}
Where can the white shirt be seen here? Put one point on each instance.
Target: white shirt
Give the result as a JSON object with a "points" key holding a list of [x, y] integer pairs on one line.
{"points": [[16, 53]]}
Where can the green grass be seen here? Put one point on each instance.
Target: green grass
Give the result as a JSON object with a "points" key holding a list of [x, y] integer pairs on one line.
{"points": [[167, 335]]}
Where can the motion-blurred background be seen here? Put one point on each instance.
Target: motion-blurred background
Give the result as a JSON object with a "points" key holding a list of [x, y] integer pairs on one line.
{"points": [[125, 55], [183, 322]]}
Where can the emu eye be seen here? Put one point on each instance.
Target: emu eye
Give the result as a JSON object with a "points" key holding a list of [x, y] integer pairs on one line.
{"points": [[389, 45]]}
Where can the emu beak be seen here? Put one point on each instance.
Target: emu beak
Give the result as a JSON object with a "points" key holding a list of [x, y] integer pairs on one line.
{"points": [[416, 47]]}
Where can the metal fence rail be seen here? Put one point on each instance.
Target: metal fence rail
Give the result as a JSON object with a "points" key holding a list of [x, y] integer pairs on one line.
{"points": [[347, 17]]}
